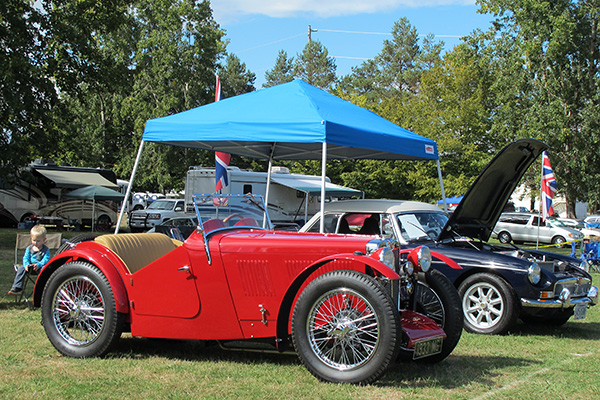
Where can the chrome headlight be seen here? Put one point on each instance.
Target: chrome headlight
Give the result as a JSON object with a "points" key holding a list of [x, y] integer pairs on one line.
{"points": [[386, 256], [584, 265], [382, 249], [425, 258], [409, 268], [534, 273], [420, 258], [154, 216], [375, 244], [593, 294]]}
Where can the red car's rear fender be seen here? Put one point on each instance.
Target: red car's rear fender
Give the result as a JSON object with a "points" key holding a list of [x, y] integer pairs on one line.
{"points": [[366, 264], [97, 255]]}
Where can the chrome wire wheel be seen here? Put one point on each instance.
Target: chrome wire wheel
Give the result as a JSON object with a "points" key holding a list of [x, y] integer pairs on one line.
{"points": [[345, 328], [78, 311], [343, 331], [435, 297], [483, 305], [430, 304]]}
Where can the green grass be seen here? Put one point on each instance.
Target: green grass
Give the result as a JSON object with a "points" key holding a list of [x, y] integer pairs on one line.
{"points": [[529, 363]]}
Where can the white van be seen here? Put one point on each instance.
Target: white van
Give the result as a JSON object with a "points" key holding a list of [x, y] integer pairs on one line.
{"points": [[530, 227]]}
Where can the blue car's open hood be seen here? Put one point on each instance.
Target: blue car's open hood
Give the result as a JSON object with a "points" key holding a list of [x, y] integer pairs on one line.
{"points": [[478, 212]]}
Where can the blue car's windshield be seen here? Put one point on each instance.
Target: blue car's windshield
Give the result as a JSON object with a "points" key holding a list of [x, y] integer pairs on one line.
{"points": [[421, 225]]}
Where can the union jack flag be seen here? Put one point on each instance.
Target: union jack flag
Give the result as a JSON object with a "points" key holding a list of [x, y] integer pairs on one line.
{"points": [[548, 187]]}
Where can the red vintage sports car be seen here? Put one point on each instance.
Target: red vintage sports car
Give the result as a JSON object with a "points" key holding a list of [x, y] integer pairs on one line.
{"points": [[344, 303]]}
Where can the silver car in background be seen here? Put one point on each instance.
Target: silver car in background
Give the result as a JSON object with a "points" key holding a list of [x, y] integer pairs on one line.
{"points": [[530, 227]]}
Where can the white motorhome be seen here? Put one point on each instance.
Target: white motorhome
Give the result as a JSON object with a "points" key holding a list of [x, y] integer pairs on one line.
{"points": [[40, 190], [292, 197]]}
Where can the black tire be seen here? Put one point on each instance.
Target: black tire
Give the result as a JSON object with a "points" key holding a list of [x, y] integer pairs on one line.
{"points": [[504, 237], [26, 217], [82, 237], [558, 242], [79, 312], [489, 304], [104, 223], [345, 328], [439, 300]]}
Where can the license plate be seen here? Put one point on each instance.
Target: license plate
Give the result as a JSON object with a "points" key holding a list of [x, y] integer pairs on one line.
{"points": [[428, 347], [580, 311]]}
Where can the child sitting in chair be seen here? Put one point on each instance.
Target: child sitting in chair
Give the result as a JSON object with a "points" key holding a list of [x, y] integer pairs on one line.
{"points": [[36, 256]]}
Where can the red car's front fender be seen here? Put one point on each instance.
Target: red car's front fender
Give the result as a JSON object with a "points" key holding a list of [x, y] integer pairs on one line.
{"points": [[366, 262], [110, 265]]}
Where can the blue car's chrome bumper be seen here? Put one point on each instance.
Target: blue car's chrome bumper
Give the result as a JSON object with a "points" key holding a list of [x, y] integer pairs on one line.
{"points": [[564, 299]]}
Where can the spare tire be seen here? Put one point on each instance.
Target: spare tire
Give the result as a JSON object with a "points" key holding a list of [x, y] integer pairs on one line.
{"points": [[70, 243]]}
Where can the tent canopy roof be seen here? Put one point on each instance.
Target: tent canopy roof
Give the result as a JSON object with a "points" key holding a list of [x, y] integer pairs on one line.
{"points": [[72, 179], [95, 192], [290, 122], [313, 187]]}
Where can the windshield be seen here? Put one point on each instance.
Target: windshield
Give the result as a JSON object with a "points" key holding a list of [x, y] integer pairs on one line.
{"points": [[161, 205], [222, 211], [421, 225], [563, 224]]}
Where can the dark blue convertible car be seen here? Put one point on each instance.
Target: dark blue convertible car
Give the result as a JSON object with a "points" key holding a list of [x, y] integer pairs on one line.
{"points": [[497, 283]]}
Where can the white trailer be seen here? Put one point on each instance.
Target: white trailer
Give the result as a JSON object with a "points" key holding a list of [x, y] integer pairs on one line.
{"points": [[292, 198], [39, 193]]}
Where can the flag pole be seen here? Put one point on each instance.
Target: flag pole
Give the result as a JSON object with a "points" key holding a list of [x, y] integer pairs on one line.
{"points": [[537, 243]]}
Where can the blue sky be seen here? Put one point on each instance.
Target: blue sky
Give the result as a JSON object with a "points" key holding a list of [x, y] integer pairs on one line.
{"points": [[351, 30]]}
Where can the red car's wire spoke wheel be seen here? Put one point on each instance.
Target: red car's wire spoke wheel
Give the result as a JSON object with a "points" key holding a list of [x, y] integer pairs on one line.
{"points": [[345, 328], [79, 312]]}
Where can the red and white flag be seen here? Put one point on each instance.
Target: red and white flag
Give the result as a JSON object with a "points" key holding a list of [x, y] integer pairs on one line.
{"points": [[218, 89], [221, 159], [221, 164]]}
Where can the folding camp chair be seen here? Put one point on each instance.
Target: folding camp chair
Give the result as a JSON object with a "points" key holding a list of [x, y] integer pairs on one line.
{"points": [[53, 242], [591, 252]]}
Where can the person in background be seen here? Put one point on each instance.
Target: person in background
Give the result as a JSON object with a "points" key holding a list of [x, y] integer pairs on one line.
{"points": [[37, 254]]}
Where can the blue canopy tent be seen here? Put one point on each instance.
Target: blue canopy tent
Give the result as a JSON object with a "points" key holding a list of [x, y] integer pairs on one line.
{"points": [[451, 200], [292, 121]]}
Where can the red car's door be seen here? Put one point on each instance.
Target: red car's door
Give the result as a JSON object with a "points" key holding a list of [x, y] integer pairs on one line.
{"points": [[165, 288]]}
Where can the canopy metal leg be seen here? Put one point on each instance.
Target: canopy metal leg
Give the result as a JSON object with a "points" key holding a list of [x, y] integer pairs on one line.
{"points": [[128, 192], [439, 168], [323, 176]]}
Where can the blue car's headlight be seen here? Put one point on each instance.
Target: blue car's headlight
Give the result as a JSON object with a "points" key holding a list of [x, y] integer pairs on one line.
{"points": [[534, 273]]}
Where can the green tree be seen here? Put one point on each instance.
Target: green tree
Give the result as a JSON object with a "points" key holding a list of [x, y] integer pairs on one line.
{"points": [[27, 94], [282, 72], [553, 47], [235, 77], [395, 73], [389, 84], [454, 109], [87, 47], [178, 45], [314, 65]]}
